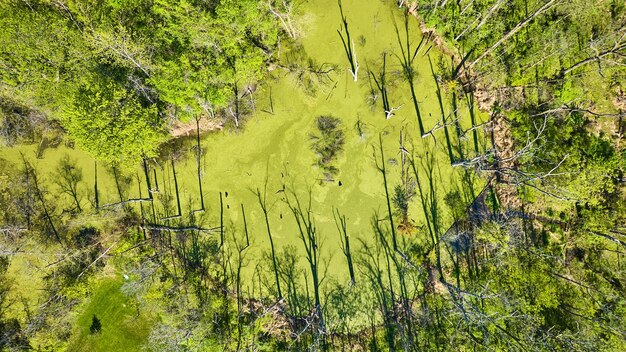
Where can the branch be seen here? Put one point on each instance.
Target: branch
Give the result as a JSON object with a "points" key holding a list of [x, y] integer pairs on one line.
{"points": [[512, 32]]}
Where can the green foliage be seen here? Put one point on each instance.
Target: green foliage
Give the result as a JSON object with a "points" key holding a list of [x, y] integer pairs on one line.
{"points": [[95, 326], [547, 39], [328, 144], [400, 200], [590, 166], [40, 52], [113, 74], [111, 123], [207, 54], [123, 327]]}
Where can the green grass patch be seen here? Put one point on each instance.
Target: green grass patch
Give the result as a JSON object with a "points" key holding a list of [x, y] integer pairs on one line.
{"points": [[123, 329]]}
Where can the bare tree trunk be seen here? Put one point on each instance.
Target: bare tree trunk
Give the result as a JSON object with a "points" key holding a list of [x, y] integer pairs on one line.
{"points": [[341, 223], [613, 51], [443, 113], [95, 184], [310, 240], [348, 44], [383, 171], [198, 163], [263, 203]]}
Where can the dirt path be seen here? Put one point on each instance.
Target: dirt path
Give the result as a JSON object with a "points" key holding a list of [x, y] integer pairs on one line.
{"points": [[180, 129]]}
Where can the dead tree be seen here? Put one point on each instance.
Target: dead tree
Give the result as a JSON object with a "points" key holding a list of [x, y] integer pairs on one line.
{"points": [[283, 10], [383, 170], [95, 184], [198, 164], [545, 7], [311, 241], [348, 45], [406, 60], [342, 227], [617, 49], [262, 198], [381, 83], [443, 113]]}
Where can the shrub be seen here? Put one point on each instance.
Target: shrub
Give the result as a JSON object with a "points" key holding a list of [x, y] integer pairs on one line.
{"points": [[328, 144], [96, 325]]}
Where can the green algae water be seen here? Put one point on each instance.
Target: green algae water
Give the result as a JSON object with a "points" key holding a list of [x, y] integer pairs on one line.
{"points": [[272, 150]]}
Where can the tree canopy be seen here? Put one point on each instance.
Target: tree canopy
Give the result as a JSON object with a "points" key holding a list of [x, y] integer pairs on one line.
{"points": [[149, 63]]}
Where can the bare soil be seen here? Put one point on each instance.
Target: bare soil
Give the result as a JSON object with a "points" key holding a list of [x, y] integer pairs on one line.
{"points": [[180, 129]]}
